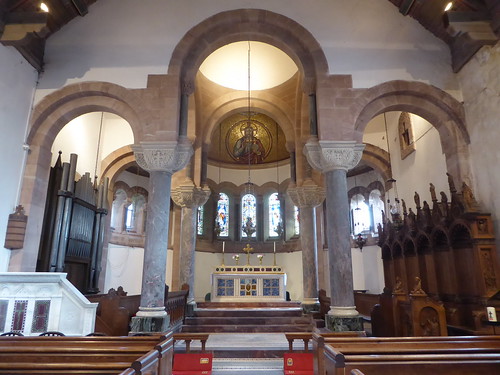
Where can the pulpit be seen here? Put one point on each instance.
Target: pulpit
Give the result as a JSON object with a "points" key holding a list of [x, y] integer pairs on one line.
{"points": [[248, 284]]}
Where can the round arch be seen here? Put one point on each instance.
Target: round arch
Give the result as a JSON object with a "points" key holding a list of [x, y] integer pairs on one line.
{"points": [[247, 24], [439, 108]]}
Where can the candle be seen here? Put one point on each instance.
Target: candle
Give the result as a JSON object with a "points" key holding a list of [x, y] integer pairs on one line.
{"points": [[274, 251], [223, 246]]}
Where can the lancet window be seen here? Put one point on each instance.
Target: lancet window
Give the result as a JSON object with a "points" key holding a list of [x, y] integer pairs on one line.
{"points": [[296, 220], [200, 221], [274, 207], [248, 214], [223, 215]]}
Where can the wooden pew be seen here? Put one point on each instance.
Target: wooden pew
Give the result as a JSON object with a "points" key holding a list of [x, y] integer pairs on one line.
{"points": [[144, 354], [319, 341], [318, 346], [436, 355]]}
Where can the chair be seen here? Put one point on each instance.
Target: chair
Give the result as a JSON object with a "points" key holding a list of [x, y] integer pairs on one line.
{"points": [[12, 334], [192, 364], [52, 333], [298, 363]]}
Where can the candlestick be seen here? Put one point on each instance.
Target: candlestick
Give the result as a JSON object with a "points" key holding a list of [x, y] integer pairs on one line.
{"points": [[274, 243], [223, 246]]}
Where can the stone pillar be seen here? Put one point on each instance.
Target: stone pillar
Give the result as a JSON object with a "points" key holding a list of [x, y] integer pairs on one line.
{"points": [[189, 198], [307, 197], [334, 159], [161, 160]]}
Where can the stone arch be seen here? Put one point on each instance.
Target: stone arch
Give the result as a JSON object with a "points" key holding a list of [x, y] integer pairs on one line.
{"points": [[247, 24], [439, 108], [49, 116]]}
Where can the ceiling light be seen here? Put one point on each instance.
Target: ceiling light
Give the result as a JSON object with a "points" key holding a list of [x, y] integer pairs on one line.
{"points": [[448, 6], [44, 7]]}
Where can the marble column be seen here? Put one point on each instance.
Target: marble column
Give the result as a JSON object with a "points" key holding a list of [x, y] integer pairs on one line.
{"points": [[161, 160], [334, 159], [307, 197], [189, 198]]}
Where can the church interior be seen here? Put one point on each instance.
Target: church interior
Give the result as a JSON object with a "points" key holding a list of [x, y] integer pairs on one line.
{"points": [[276, 185]]}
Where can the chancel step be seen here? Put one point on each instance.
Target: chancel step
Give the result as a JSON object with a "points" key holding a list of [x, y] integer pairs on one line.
{"points": [[250, 317]]}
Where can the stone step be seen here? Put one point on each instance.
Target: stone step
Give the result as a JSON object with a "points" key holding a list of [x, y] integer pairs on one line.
{"points": [[256, 312], [248, 328], [248, 320], [247, 305]]}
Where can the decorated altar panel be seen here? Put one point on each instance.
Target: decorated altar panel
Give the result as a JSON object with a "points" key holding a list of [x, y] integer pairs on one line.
{"points": [[248, 284]]}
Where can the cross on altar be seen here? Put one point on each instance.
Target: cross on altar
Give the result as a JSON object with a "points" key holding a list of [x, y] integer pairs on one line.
{"points": [[247, 249]]}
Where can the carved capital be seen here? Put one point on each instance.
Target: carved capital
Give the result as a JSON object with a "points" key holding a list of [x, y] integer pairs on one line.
{"points": [[188, 195], [307, 195], [170, 156], [327, 156]]}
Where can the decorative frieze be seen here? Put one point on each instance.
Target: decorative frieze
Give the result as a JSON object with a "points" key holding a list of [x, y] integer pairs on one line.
{"points": [[326, 156]]}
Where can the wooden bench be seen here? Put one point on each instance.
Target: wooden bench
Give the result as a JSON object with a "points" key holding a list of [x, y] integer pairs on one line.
{"points": [[320, 340], [412, 356], [93, 355]]}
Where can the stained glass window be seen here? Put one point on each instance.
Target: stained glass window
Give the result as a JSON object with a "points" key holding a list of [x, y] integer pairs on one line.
{"points": [[274, 214], [199, 224], [223, 215], [4, 304], [377, 206], [248, 214], [296, 220]]}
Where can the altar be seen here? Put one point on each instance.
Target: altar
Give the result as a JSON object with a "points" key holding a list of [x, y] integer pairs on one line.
{"points": [[248, 284]]}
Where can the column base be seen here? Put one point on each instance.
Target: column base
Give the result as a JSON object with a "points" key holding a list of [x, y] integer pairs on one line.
{"points": [[190, 307], [342, 319], [310, 305], [149, 324]]}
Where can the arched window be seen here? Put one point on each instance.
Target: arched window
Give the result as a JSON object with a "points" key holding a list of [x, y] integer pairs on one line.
{"points": [[134, 214], [361, 220], [248, 214], [296, 220], [223, 215], [274, 214], [376, 207], [200, 221]]}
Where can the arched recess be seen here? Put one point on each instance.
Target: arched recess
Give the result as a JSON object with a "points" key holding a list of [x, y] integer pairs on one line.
{"points": [[50, 115], [440, 109], [247, 24], [378, 159], [228, 104]]}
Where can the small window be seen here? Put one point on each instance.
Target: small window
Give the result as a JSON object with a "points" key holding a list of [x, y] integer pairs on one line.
{"points": [[200, 221], [274, 207], [248, 214], [296, 220], [223, 215], [405, 130]]}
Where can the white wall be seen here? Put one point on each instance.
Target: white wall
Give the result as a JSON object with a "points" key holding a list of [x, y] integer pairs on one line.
{"points": [[17, 84], [480, 80], [205, 264], [81, 136], [122, 41], [124, 268], [427, 164]]}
